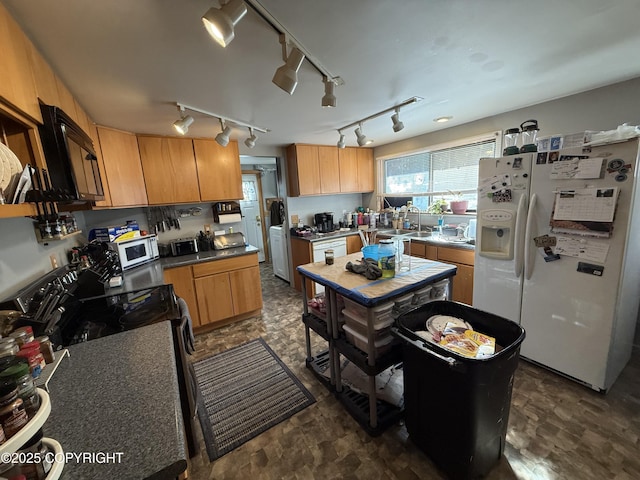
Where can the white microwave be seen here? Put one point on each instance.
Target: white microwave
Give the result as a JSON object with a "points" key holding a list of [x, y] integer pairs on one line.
{"points": [[136, 251]]}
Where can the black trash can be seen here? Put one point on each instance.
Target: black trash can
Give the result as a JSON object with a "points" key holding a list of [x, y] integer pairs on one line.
{"points": [[457, 408]]}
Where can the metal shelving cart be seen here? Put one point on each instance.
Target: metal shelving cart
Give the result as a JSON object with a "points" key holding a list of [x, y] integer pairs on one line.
{"points": [[374, 416]]}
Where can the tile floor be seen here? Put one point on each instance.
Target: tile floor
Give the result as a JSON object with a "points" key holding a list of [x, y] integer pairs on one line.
{"points": [[557, 428]]}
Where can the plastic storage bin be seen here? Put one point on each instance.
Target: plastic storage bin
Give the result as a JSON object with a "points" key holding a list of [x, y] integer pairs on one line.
{"points": [[439, 289], [422, 296], [360, 310], [382, 344], [356, 322], [457, 408], [403, 303]]}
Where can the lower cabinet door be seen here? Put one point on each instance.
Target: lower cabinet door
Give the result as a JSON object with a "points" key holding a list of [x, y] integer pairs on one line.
{"points": [[182, 280], [246, 290], [214, 298], [463, 284]]}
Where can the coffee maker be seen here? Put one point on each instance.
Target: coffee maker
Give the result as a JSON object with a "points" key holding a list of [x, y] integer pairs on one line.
{"points": [[324, 222]]}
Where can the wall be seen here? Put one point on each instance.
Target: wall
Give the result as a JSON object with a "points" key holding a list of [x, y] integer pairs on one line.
{"points": [[306, 207]]}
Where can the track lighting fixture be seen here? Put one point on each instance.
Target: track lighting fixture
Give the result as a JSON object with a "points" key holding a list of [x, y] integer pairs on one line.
{"points": [[397, 124], [329, 99], [182, 126], [223, 137], [251, 141], [220, 22], [362, 138], [341, 143], [286, 77]]}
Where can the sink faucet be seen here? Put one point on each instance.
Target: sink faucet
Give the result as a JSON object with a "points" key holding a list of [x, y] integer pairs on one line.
{"points": [[416, 209]]}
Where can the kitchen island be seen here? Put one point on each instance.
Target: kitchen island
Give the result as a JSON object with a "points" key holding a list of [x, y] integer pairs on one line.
{"points": [[120, 395], [368, 294]]}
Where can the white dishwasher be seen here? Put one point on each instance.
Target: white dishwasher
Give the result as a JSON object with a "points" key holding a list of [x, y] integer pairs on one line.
{"points": [[339, 246]]}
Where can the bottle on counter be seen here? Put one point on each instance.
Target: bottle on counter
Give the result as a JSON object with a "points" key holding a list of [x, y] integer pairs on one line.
{"points": [[46, 349], [8, 347], [35, 449], [22, 335]]}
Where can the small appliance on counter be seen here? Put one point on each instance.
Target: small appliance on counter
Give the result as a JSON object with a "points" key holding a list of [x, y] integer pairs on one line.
{"points": [[183, 246], [230, 240], [136, 251], [324, 222]]}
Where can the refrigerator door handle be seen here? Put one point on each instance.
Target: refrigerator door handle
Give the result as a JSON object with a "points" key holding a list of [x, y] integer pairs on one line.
{"points": [[519, 236], [528, 263]]}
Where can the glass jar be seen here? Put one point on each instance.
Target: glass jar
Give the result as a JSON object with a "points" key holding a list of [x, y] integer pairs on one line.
{"points": [[46, 349], [35, 449], [328, 256], [13, 415], [31, 352], [21, 336], [387, 258], [18, 371], [8, 348]]}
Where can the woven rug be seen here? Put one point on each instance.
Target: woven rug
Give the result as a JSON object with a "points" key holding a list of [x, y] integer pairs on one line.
{"points": [[244, 391]]}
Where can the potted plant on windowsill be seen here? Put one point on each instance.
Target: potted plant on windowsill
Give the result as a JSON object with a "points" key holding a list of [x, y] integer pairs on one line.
{"points": [[438, 207], [458, 205]]}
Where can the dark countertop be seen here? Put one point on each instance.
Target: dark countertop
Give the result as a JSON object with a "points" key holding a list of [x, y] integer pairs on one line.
{"points": [[317, 237], [151, 275], [120, 394]]}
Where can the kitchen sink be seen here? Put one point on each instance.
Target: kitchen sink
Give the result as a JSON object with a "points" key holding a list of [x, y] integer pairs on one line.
{"points": [[396, 231], [421, 234]]}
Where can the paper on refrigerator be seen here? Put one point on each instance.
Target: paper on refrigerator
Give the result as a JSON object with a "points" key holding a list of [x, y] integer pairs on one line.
{"points": [[582, 248]]}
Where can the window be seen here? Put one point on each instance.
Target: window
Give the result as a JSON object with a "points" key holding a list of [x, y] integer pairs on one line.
{"points": [[437, 172]]}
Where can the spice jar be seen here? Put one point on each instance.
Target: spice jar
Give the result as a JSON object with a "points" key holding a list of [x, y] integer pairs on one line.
{"points": [[35, 450], [328, 256], [18, 371], [31, 352], [8, 347], [46, 349], [21, 336], [13, 416]]}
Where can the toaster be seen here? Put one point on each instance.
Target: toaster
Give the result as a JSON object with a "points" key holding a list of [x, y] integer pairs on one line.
{"points": [[184, 246]]}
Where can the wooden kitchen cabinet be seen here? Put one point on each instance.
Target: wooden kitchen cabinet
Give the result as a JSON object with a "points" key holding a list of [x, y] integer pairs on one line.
{"points": [[93, 133], [184, 287], [169, 167], [123, 169], [303, 168], [348, 163], [354, 244], [322, 170], [228, 290], [45, 78], [17, 84], [463, 281], [219, 171], [364, 157]]}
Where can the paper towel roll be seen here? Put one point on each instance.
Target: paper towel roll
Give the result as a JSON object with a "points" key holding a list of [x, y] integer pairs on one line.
{"points": [[230, 218]]}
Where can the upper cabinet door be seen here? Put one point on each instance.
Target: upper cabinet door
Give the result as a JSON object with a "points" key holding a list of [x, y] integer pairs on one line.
{"points": [[45, 78], [169, 170], [17, 84], [219, 172], [329, 169], [365, 170], [123, 169], [303, 170], [348, 161]]}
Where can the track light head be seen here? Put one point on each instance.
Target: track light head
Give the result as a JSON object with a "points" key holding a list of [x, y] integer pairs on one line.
{"points": [[397, 124], [329, 99], [182, 126], [362, 138], [223, 137], [251, 141], [341, 143], [220, 22], [286, 76]]}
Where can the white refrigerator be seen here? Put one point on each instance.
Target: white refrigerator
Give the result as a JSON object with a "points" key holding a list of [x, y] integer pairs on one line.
{"points": [[557, 251]]}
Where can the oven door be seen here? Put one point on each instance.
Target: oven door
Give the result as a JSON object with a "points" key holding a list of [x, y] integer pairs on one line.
{"points": [[183, 341]]}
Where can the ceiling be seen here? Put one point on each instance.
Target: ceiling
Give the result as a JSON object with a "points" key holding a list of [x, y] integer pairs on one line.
{"points": [[129, 62]]}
